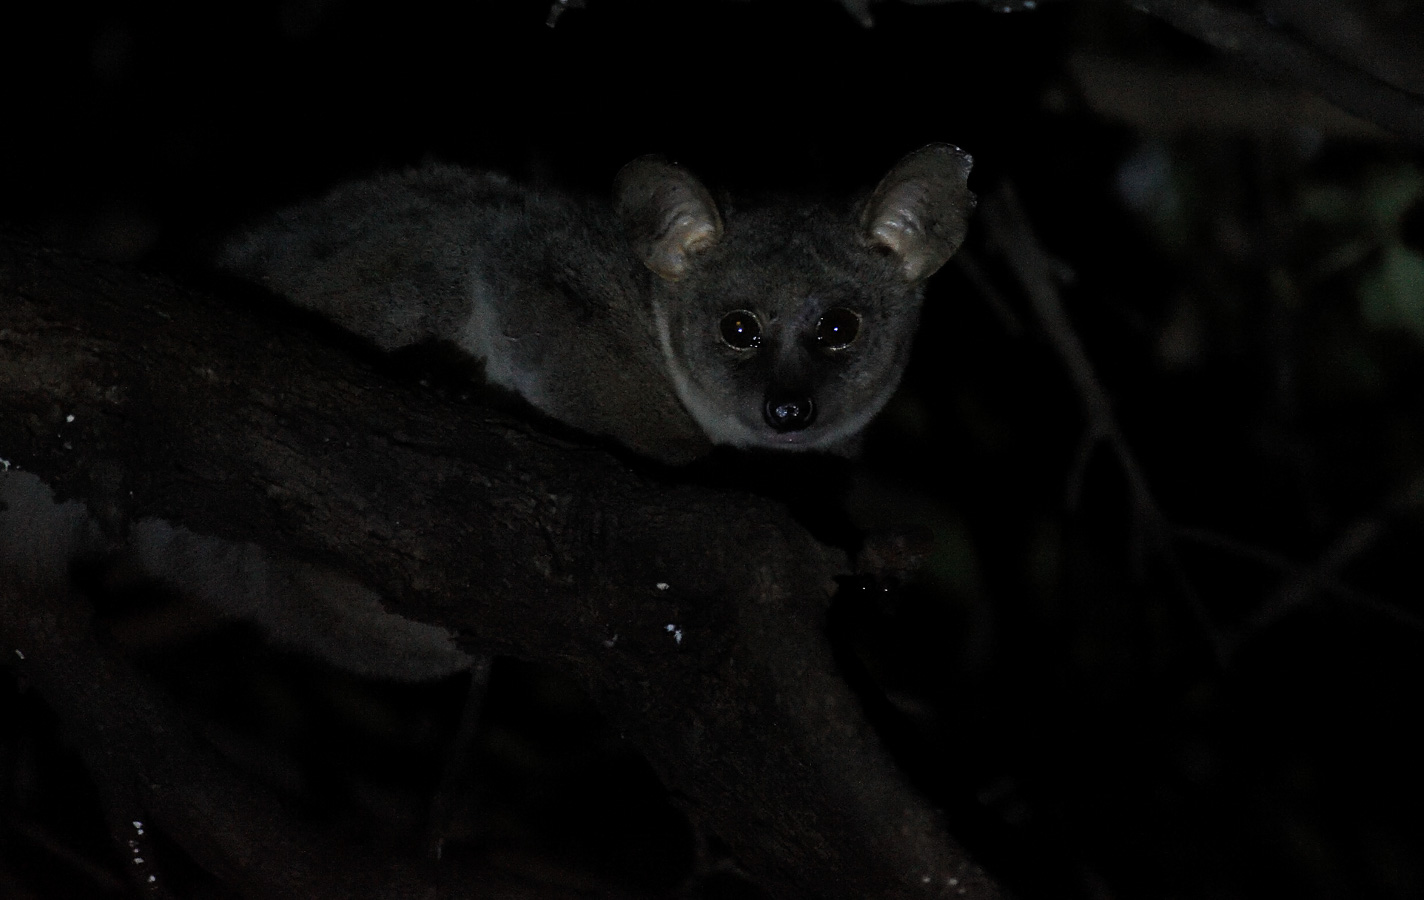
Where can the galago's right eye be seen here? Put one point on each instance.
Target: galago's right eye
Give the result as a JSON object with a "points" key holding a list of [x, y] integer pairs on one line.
{"points": [[741, 330]]}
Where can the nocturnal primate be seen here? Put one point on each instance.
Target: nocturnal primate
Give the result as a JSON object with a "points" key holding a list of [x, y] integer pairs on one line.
{"points": [[661, 319]]}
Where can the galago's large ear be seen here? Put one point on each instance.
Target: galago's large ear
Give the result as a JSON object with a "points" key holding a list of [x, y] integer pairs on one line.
{"points": [[920, 211], [669, 215]]}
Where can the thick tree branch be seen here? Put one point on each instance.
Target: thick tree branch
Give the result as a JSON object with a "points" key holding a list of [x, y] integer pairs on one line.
{"points": [[1161, 98], [141, 400], [1278, 54], [154, 773]]}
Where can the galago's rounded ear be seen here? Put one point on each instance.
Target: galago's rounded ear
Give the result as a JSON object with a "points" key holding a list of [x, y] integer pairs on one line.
{"points": [[670, 217], [920, 210]]}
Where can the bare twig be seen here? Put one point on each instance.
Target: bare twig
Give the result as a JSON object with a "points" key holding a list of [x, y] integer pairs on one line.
{"points": [[1310, 581], [989, 292], [1299, 573], [1306, 582], [1011, 233]]}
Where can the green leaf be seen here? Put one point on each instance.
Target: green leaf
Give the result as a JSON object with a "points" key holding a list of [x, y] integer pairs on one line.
{"points": [[1392, 294]]}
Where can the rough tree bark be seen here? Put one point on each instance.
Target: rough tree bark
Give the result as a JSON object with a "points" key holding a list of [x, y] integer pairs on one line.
{"points": [[212, 417]]}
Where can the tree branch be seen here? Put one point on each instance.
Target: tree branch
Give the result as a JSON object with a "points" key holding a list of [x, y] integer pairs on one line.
{"points": [[1277, 54], [143, 401]]}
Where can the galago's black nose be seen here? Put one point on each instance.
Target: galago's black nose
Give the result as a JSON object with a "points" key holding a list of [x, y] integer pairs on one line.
{"points": [[789, 413]]}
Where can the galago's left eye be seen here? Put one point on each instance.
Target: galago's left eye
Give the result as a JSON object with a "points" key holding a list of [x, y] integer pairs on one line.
{"points": [[838, 328]]}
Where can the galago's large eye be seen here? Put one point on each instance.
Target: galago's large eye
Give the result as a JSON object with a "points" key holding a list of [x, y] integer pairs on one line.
{"points": [[838, 327], [741, 330]]}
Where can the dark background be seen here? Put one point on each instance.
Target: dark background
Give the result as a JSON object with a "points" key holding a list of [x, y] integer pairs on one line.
{"points": [[1232, 716]]}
